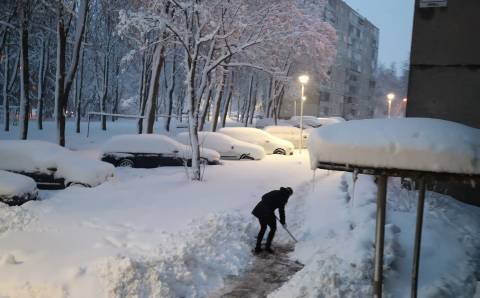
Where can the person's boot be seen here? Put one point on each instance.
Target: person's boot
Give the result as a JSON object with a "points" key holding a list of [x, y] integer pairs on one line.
{"points": [[258, 250], [269, 250]]}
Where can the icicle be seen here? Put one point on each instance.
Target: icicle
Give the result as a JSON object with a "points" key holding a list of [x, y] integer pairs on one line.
{"points": [[313, 180], [354, 178]]}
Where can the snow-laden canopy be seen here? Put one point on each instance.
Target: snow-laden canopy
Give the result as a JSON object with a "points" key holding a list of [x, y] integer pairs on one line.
{"points": [[418, 144]]}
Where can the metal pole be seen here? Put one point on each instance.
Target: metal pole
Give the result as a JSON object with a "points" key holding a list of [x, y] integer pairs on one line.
{"points": [[88, 125], [301, 118], [418, 237], [389, 108], [295, 108], [380, 235]]}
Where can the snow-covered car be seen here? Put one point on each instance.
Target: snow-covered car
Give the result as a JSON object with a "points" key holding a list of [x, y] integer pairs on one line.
{"points": [[289, 133], [228, 147], [308, 121], [270, 143], [151, 151], [51, 165], [312, 121], [16, 189]]}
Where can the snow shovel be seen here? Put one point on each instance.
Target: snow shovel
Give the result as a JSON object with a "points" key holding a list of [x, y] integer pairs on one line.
{"points": [[287, 230]]}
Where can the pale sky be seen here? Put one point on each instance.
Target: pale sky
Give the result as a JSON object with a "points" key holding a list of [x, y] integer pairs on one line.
{"points": [[394, 18]]}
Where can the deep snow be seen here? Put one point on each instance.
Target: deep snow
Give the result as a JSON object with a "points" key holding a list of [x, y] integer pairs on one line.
{"points": [[153, 233]]}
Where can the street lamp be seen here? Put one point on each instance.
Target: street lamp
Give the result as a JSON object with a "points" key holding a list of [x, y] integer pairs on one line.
{"points": [[405, 100], [390, 98], [303, 81]]}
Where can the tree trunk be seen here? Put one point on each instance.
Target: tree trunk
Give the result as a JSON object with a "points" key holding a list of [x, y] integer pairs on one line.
{"points": [[103, 99], [60, 78], [42, 74], [79, 95], [247, 110], [24, 75], [254, 105], [66, 80], [218, 98], [229, 100], [158, 60], [206, 108], [116, 96], [141, 96], [171, 89], [6, 101]]}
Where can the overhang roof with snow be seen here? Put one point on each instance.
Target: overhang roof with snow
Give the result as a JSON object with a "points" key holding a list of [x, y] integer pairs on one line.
{"points": [[401, 145]]}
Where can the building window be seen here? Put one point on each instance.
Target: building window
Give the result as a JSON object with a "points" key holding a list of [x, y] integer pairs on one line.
{"points": [[324, 96]]}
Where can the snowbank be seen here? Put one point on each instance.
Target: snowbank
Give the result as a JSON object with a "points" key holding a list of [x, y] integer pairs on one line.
{"points": [[191, 264], [336, 242], [409, 143]]}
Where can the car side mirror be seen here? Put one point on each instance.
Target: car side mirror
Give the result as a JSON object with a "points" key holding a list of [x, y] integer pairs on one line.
{"points": [[175, 151], [267, 141], [232, 147]]}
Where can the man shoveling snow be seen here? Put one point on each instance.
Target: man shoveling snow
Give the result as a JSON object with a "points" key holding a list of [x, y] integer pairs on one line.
{"points": [[265, 212]]}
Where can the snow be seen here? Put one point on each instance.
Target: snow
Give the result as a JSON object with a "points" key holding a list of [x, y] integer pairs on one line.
{"points": [[410, 144], [153, 143], [336, 242], [155, 233], [15, 185], [41, 157], [259, 137], [227, 146]]}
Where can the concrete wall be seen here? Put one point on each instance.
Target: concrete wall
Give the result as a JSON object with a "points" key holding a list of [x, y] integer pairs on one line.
{"points": [[445, 63], [445, 71]]}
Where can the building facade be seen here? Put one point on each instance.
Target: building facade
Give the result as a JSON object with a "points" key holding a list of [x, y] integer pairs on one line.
{"points": [[349, 92]]}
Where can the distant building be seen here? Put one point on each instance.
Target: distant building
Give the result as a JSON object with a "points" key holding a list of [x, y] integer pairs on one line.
{"points": [[349, 93]]}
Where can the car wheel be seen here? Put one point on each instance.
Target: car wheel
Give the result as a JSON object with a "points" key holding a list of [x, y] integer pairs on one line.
{"points": [[246, 157], [279, 151], [77, 184], [125, 163]]}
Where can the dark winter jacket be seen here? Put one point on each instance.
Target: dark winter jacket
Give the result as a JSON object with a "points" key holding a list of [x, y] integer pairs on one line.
{"points": [[276, 199]]}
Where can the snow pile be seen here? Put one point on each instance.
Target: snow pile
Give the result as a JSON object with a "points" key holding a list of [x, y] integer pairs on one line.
{"points": [[410, 143], [47, 158], [15, 185], [191, 264], [15, 218]]}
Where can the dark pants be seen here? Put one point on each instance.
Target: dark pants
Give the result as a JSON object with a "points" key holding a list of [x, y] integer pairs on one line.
{"points": [[264, 222]]}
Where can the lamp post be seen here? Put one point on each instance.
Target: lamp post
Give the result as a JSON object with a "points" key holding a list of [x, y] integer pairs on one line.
{"points": [[303, 81], [405, 100], [390, 98]]}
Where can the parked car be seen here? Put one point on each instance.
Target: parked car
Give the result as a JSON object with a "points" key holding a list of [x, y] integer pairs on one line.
{"points": [[308, 121], [312, 121], [289, 133], [151, 151], [51, 165], [16, 189], [270, 143], [228, 147]]}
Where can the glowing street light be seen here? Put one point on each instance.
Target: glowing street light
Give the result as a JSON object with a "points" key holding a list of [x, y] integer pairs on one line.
{"points": [[303, 80], [390, 98]]}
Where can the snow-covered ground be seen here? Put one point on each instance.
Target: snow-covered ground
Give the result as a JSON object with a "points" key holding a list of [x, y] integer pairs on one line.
{"points": [[154, 233]]}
